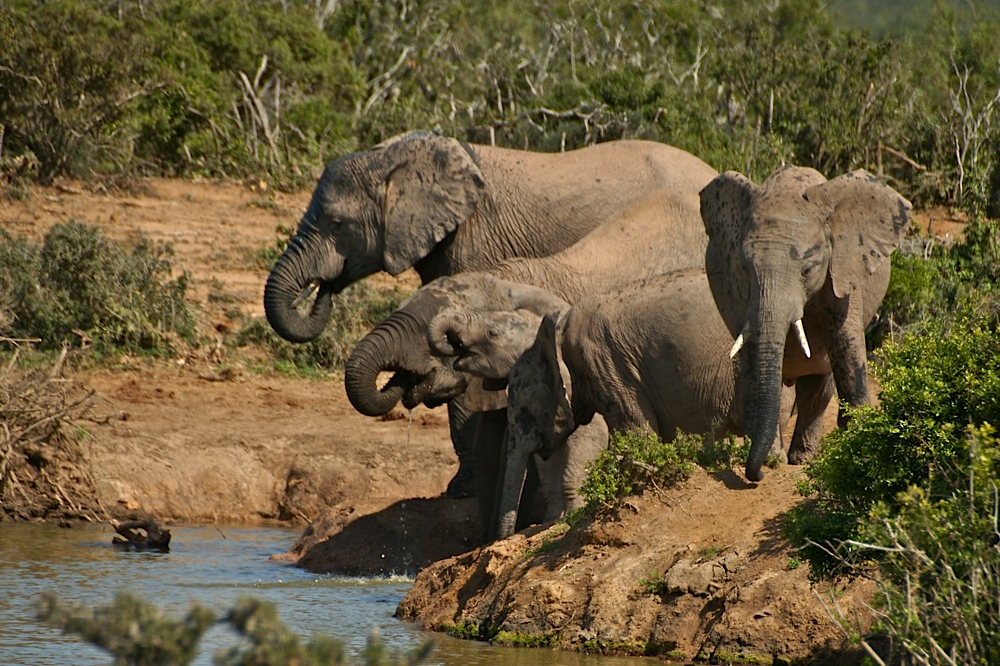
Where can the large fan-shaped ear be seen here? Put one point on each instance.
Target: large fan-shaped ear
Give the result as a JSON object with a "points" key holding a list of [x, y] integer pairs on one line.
{"points": [[867, 219], [725, 207], [430, 185]]}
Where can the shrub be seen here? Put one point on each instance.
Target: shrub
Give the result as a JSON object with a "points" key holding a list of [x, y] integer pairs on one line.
{"points": [[931, 279], [938, 550], [78, 287], [69, 78], [636, 460], [356, 310], [136, 632], [934, 386]]}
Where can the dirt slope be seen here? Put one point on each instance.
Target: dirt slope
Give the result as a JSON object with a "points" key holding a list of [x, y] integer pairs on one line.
{"points": [[701, 571]]}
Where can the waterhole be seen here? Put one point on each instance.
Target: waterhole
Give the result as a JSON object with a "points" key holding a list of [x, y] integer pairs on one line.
{"points": [[214, 566]]}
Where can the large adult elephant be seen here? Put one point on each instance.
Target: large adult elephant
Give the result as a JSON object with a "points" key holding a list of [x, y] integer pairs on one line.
{"points": [[657, 234], [443, 206], [798, 267], [652, 355]]}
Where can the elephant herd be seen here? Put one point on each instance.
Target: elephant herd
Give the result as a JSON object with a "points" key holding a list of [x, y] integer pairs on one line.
{"points": [[620, 286]]}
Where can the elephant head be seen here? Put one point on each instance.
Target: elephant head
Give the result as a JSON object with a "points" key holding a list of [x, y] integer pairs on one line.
{"points": [[798, 255], [485, 344], [418, 347], [380, 209], [540, 417]]}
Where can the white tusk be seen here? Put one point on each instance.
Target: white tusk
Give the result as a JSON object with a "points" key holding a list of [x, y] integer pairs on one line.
{"points": [[800, 333], [306, 294], [740, 339]]}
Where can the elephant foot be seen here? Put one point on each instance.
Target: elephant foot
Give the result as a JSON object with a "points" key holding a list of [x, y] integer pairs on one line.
{"points": [[463, 484], [801, 451]]}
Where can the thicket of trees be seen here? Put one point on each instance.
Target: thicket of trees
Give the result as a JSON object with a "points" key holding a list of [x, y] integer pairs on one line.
{"points": [[112, 88]]}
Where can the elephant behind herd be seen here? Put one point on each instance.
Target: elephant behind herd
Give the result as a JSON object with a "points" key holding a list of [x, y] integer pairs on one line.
{"points": [[627, 281]]}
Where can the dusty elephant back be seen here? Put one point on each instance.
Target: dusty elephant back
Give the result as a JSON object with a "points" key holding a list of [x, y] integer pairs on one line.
{"points": [[654, 352]]}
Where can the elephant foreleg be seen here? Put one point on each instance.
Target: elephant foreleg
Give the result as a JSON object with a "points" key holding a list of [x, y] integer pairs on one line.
{"points": [[812, 396], [848, 356], [462, 425]]}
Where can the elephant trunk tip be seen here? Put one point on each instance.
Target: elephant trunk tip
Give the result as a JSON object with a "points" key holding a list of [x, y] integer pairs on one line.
{"points": [[755, 475]]}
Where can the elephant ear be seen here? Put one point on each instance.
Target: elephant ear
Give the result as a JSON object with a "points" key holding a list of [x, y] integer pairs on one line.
{"points": [[867, 220], [430, 185], [485, 395], [725, 204]]}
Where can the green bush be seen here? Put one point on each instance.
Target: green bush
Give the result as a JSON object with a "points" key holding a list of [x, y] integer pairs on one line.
{"points": [[931, 279], [279, 87], [77, 287], [634, 461], [933, 387], [355, 311], [136, 632], [938, 553]]}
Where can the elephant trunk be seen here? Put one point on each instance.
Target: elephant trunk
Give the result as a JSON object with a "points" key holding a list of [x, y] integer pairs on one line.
{"points": [[290, 286], [511, 487], [375, 353], [443, 332], [763, 404]]}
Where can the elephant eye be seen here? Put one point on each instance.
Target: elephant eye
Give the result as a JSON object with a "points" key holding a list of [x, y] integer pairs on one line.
{"points": [[492, 333]]}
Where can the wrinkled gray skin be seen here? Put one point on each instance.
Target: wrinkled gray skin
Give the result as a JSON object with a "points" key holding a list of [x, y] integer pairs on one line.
{"points": [[800, 247], [629, 246], [653, 355], [444, 207], [487, 345]]}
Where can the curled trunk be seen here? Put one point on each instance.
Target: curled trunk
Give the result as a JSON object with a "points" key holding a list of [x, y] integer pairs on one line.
{"points": [[372, 355], [290, 285], [445, 329]]}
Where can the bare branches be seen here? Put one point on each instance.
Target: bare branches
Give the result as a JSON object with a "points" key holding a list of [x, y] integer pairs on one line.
{"points": [[37, 408]]}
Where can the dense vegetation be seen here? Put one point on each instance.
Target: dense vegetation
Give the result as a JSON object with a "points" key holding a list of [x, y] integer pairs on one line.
{"points": [[114, 89]]}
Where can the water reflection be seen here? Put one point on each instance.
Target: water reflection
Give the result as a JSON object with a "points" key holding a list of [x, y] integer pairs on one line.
{"points": [[212, 566]]}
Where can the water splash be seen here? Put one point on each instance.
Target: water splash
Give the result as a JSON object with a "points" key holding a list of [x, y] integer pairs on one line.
{"points": [[409, 425]]}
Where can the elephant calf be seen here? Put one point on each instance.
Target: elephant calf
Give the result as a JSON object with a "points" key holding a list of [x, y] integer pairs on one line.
{"points": [[655, 355]]}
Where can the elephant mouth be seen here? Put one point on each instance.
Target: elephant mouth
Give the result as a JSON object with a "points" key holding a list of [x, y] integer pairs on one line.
{"points": [[432, 390]]}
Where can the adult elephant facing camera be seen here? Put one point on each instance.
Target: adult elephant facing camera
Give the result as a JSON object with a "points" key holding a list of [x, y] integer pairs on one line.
{"points": [[798, 267], [444, 207]]}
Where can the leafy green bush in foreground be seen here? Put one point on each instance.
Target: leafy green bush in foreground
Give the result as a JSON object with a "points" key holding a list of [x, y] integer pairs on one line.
{"points": [[78, 287], [136, 632], [940, 566], [638, 459], [933, 387]]}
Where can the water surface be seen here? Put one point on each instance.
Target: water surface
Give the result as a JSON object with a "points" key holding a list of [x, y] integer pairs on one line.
{"points": [[213, 566]]}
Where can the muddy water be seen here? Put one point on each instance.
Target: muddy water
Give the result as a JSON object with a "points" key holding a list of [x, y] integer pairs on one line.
{"points": [[213, 567]]}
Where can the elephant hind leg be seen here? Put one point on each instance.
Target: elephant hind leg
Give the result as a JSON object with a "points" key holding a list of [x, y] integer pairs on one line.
{"points": [[812, 396]]}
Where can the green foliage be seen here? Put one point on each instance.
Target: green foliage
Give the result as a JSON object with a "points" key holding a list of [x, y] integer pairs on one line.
{"points": [[280, 87], [69, 77], [634, 461], [931, 279], [939, 556], [934, 386], [723, 454], [79, 287], [355, 311], [136, 632]]}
